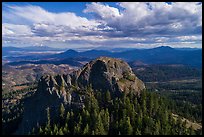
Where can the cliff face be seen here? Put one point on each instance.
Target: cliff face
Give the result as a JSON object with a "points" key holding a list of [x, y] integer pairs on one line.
{"points": [[108, 74], [102, 74]]}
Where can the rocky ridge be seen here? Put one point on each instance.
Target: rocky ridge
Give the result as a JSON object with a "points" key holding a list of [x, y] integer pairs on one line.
{"points": [[102, 74]]}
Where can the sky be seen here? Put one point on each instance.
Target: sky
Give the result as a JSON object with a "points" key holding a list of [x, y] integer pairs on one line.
{"points": [[102, 24]]}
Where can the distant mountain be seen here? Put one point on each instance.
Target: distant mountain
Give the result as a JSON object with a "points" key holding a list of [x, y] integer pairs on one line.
{"points": [[163, 48], [96, 53], [69, 53], [7, 50], [158, 55], [164, 55]]}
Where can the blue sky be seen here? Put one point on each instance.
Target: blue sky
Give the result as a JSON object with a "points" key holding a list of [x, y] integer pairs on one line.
{"points": [[56, 7], [110, 24]]}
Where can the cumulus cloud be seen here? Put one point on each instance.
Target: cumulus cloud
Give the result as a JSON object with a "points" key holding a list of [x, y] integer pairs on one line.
{"points": [[36, 14], [41, 23], [142, 18], [15, 30], [103, 11], [128, 23]]}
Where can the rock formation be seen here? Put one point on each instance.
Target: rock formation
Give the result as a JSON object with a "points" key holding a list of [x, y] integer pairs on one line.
{"points": [[103, 74]]}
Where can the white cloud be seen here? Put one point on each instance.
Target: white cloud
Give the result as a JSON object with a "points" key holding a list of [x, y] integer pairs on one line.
{"points": [[103, 11], [134, 23], [15, 30], [148, 17], [190, 38], [36, 14]]}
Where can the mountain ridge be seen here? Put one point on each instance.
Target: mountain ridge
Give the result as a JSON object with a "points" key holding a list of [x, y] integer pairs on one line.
{"points": [[159, 55], [102, 74]]}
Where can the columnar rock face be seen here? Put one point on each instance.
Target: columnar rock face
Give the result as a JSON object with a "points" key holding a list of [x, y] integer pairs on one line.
{"points": [[56, 86], [111, 74], [103, 74]]}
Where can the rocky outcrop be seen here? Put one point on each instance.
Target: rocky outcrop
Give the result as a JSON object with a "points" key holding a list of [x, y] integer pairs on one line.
{"points": [[110, 74], [52, 91], [103, 74]]}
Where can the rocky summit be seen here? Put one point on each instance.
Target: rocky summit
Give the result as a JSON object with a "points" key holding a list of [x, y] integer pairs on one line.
{"points": [[102, 74], [110, 74]]}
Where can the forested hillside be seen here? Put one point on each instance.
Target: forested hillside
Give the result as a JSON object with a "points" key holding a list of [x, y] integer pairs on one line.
{"points": [[147, 114]]}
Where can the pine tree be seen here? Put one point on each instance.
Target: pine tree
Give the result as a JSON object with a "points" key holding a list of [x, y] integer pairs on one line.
{"points": [[139, 123], [94, 104], [99, 128], [93, 120], [67, 117], [61, 132], [150, 104], [121, 126], [128, 130], [92, 132], [62, 111], [47, 130], [66, 129], [143, 102], [157, 128], [86, 130], [71, 121], [48, 118], [164, 122], [89, 89], [107, 97], [55, 129], [107, 120], [132, 115], [41, 131], [85, 116], [77, 129]]}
